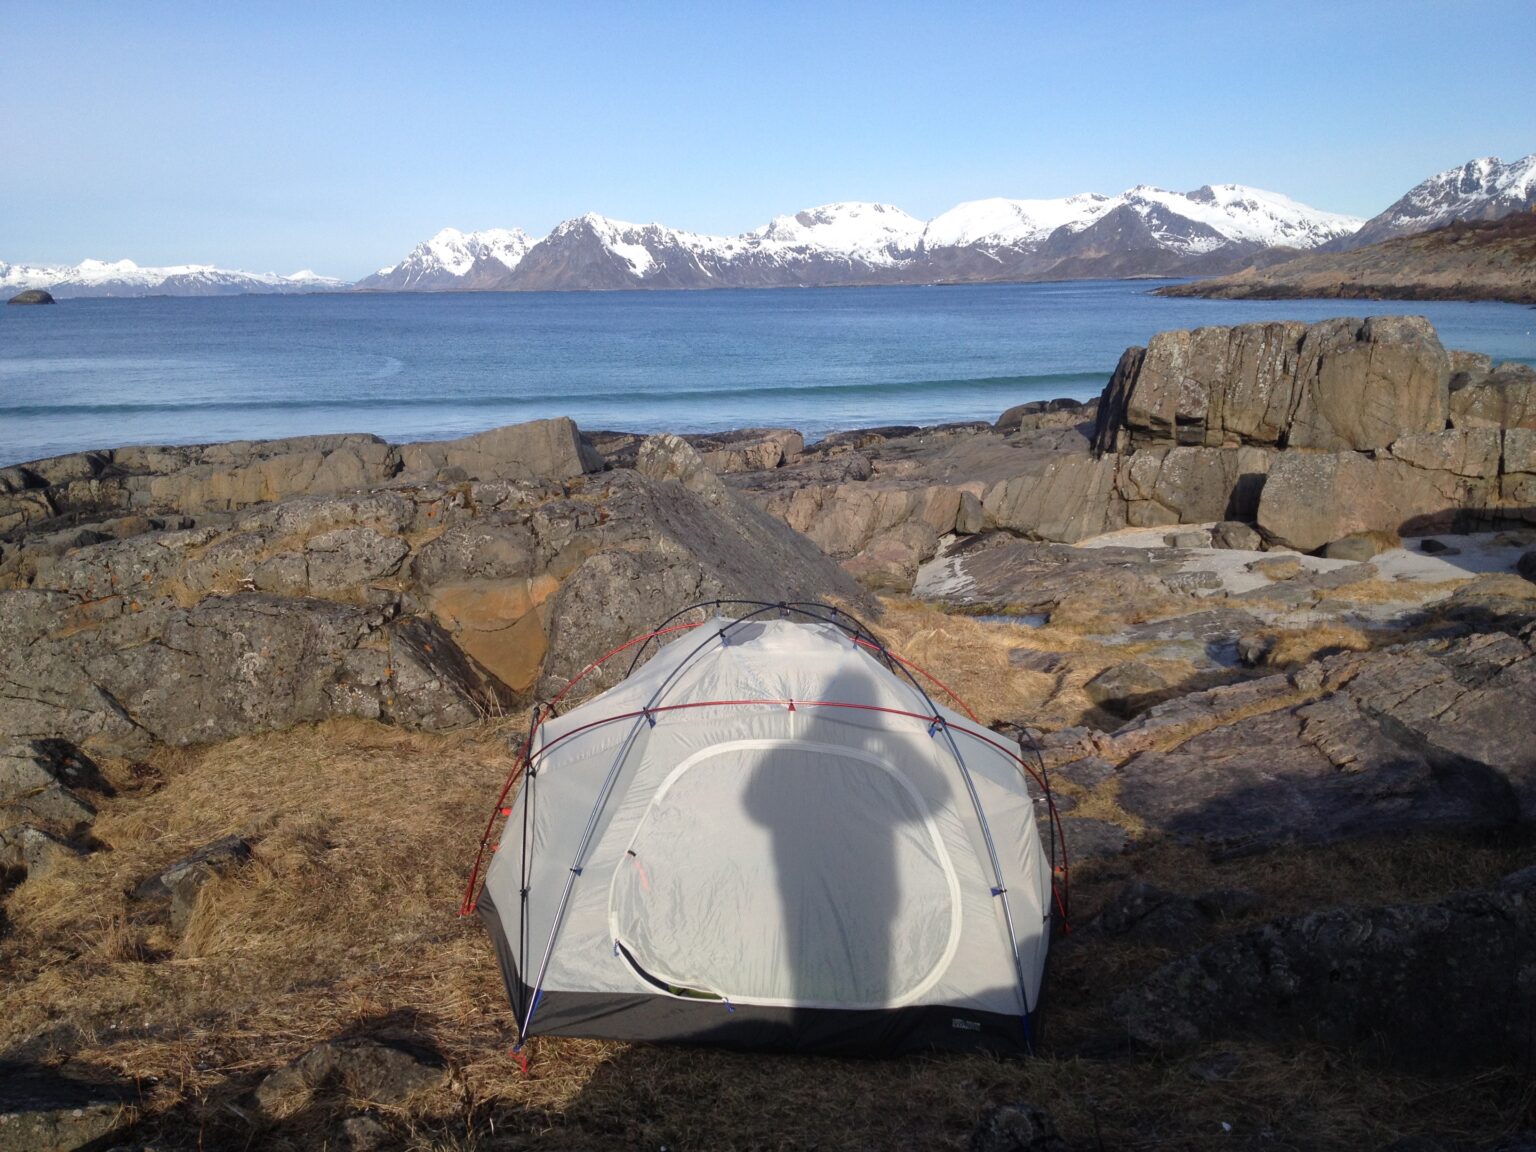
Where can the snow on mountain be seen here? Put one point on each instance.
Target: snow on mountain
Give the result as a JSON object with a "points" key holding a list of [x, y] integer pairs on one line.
{"points": [[1234, 212], [998, 222], [125, 278], [1144, 231], [22, 277], [445, 260], [872, 233], [1481, 189]]}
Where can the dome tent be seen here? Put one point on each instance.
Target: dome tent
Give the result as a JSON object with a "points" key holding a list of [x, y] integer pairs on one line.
{"points": [[769, 836]]}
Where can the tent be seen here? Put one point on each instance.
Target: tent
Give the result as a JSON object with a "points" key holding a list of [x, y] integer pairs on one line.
{"points": [[769, 836]]}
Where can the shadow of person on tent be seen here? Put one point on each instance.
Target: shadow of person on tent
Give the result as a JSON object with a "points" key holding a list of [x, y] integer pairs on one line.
{"points": [[858, 912]]}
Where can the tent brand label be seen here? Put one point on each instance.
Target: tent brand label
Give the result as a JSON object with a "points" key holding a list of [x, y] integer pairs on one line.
{"points": [[965, 1025]]}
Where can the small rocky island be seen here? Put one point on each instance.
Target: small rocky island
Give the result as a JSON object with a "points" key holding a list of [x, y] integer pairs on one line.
{"points": [[1265, 612], [32, 296]]}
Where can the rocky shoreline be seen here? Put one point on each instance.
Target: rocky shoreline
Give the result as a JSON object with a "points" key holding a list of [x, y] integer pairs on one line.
{"points": [[1267, 602]]}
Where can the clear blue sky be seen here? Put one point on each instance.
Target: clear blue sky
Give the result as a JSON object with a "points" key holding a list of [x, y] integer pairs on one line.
{"points": [[273, 136]]}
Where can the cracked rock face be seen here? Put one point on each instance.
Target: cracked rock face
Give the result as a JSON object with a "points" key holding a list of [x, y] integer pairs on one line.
{"points": [[429, 605], [1426, 735]]}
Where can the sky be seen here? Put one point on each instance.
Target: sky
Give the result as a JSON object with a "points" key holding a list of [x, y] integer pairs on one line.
{"points": [[335, 136]]}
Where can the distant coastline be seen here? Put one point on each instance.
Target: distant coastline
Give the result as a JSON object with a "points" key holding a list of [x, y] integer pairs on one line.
{"points": [[1480, 261]]}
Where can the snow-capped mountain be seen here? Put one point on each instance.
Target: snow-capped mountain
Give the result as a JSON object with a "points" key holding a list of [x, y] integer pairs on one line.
{"points": [[1481, 189], [453, 259], [875, 234], [125, 278], [1000, 223], [1144, 231]]}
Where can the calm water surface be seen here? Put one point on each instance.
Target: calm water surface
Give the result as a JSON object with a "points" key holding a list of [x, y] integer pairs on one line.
{"points": [[101, 373]]}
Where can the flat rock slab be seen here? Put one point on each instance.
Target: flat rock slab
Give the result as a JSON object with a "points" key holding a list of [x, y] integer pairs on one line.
{"points": [[997, 570], [1436, 987], [1430, 734], [43, 1110]]}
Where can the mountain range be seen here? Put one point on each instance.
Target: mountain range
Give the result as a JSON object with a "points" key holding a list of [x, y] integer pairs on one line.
{"points": [[1142, 232], [125, 278]]}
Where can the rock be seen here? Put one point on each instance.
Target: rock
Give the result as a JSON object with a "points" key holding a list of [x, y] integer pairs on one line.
{"points": [[1037, 414], [970, 518], [1422, 735], [1500, 398], [1526, 565], [32, 851], [1070, 499], [1187, 540], [1500, 601], [41, 779], [1200, 580], [380, 1071], [1360, 546], [184, 879], [1470, 452], [669, 457], [1520, 879], [1092, 839], [538, 449], [1016, 1128], [1236, 535], [43, 1110], [32, 296], [749, 449], [1189, 485], [1254, 649], [1333, 385], [1161, 917], [1034, 660], [1406, 984], [1432, 547], [365, 1133], [1312, 498], [1284, 566], [662, 548], [321, 606], [1126, 689]]}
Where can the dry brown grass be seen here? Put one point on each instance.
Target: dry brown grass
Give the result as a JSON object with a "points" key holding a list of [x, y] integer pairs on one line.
{"points": [[969, 656], [345, 922]]}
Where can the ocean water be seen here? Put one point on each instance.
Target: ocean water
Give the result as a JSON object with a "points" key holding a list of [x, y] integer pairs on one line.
{"points": [[102, 373]]}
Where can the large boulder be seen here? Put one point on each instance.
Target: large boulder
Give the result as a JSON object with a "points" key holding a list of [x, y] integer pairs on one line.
{"points": [[1453, 480], [1338, 384]]}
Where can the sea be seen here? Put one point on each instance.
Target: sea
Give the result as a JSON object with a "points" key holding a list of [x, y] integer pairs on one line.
{"points": [[98, 373]]}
